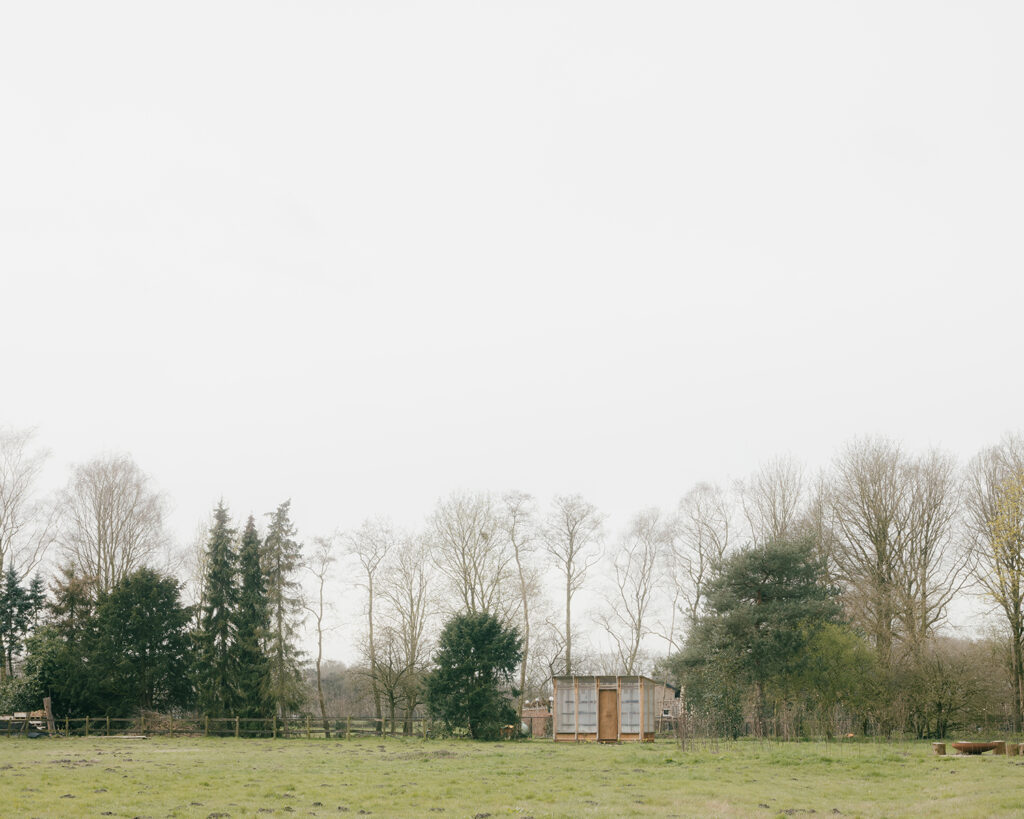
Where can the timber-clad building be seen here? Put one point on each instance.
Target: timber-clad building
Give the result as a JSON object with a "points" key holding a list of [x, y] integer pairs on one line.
{"points": [[604, 709]]}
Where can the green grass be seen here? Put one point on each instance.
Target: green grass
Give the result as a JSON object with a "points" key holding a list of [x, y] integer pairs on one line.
{"points": [[164, 777]]}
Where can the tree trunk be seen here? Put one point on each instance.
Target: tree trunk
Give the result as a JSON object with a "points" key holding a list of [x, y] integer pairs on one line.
{"points": [[568, 626], [1018, 679]]}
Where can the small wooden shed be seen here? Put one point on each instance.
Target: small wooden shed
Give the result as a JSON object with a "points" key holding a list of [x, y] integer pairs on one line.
{"points": [[604, 709]]}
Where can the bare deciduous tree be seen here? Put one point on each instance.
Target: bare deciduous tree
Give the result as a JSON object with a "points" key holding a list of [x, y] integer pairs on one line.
{"points": [[894, 551], [932, 564], [111, 520], [697, 540], [635, 568], [771, 499], [471, 551], [408, 589], [994, 504], [319, 564], [572, 534], [519, 525], [26, 523], [370, 545]]}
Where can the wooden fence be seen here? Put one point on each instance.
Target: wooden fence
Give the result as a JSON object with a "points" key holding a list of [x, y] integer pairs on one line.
{"points": [[272, 727]]}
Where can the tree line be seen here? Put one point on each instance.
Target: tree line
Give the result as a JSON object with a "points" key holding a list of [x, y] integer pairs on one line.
{"points": [[891, 539]]}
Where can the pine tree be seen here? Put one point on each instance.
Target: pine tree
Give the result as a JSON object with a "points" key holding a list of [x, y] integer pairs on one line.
{"points": [[253, 618], [19, 610], [281, 559], [217, 671]]}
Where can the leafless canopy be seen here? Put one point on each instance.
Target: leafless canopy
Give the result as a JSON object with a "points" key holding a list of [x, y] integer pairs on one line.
{"points": [[636, 569], [572, 533], [771, 499], [472, 553], [26, 524], [698, 540], [112, 521], [895, 551]]}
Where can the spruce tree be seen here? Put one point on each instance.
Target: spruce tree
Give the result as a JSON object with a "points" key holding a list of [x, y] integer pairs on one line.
{"points": [[19, 609], [254, 688], [217, 671], [281, 559]]}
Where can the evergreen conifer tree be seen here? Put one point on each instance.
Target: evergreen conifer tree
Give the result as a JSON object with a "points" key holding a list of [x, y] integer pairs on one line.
{"points": [[281, 559], [217, 671], [253, 617], [19, 610]]}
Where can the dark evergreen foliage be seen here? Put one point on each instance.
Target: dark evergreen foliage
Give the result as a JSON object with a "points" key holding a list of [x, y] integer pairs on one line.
{"points": [[253, 617], [282, 556], [471, 685], [216, 655], [140, 654], [57, 653], [765, 606], [19, 609]]}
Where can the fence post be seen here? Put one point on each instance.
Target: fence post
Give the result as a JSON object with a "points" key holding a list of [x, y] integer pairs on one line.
{"points": [[87, 726], [307, 727], [143, 723], [108, 725], [236, 727], [67, 726], [275, 726], [348, 727], [206, 725]]}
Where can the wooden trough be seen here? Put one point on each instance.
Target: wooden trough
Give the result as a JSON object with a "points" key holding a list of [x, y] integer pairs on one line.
{"points": [[975, 748], [604, 709]]}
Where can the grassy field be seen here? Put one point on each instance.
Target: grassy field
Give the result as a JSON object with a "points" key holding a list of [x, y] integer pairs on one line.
{"points": [[404, 777]]}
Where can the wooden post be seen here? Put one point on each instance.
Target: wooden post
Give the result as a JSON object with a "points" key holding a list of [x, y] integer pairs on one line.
{"points": [[308, 735], [143, 725], [236, 727], [87, 726], [640, 692], [67, 726], [576, 707], [939, 748], [206, 725], [108, 725], [274, 718], [49, 716], [618, 709], [348, 727]]}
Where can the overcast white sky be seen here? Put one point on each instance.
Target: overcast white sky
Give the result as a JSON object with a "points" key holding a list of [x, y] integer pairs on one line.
{"points": [[361, 254]]}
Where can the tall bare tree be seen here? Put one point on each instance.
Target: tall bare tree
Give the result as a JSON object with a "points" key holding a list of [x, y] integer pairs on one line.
{"points": [[771, 499], [319, 564], [370, 545], [519, 524], [994, 504], [635, 569], [894, 551], [932, 562], [471, 551], [111, 520], [408, 589], [698, 538], [26, 522], [572, 536]]}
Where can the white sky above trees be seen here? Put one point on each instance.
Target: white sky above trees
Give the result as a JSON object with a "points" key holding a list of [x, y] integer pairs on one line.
{"points": [[361, 254]]}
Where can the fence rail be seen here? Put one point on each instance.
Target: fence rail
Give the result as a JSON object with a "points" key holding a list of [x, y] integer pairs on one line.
{"points": [[274, 727]]}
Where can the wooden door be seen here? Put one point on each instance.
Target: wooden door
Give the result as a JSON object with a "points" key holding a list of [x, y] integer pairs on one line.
{"points": [[608, 715]]}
